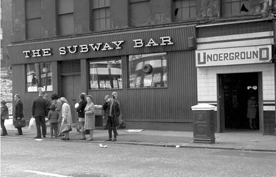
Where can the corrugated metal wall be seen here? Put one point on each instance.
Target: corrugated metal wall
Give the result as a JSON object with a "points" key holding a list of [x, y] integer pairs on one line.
{"points": [[172, 104]]}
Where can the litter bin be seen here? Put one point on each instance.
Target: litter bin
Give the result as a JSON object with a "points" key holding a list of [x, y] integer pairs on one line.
{"points": [[204, 128], [98, 116]]}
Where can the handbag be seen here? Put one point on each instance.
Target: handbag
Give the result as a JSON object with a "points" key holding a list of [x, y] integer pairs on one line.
{"points": [[19, 123], [65, 128]]}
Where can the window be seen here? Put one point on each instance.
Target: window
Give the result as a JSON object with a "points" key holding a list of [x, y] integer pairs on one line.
{"points": [[235, 7], [39, 77], [33, 19], [148, 70], [65, 17], [139, 17], [106, 75], [101, 15], [184, 10]]}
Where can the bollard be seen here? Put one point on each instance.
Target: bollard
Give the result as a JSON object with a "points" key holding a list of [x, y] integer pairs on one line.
{"points": [[204, 128]]}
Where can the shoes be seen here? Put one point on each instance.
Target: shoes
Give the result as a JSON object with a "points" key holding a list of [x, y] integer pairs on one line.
{"points": [[38, 137], [114, 139], [109, 139], [65, 138], [18, 134], [4, 134], [251, 128], [44, 136], [90, 139], [83, 139]]}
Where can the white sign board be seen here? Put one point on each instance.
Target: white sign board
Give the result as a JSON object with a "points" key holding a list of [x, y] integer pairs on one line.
{"points": [[233, 56]]}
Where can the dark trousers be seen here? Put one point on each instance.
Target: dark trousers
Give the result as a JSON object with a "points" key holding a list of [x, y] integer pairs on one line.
{"points": [[111, 127], [40, 121], [4, 130], [19, 131], [54, 129]]}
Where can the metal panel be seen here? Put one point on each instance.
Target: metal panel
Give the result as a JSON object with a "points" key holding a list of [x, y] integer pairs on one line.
{"points": [[172, 104], [179, 36]]}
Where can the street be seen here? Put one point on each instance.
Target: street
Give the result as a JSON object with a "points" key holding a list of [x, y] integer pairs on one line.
{"points": [[31, 158]]}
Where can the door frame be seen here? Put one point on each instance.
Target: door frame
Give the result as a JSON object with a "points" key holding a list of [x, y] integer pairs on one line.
{"points": [[220, 98]]}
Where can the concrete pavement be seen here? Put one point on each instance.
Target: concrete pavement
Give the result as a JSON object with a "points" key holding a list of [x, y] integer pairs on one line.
{"points": [[247, 140]]}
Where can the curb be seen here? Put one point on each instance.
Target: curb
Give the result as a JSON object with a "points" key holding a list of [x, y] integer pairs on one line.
{"points": [[159, 144]]}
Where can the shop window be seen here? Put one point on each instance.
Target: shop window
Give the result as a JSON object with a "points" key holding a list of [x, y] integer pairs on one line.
{"points": [[33, 19], [39, 77], [235, 7], [184, 10], [148, 70], [101, 15], [106, 75], [65, 17], [136, 17]]}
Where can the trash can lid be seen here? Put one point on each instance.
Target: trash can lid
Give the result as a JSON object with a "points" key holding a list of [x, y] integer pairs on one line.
{"points": [[203, 106]]}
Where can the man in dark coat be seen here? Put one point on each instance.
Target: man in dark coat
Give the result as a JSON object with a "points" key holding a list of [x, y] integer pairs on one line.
{"points": [[18, 112], [113, 109], [39, 112]]}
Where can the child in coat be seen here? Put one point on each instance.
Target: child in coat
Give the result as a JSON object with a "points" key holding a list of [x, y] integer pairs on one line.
{"points": [[53, 117]]}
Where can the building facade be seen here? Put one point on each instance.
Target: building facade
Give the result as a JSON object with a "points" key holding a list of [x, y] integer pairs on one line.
{"points": [[161, 60]]}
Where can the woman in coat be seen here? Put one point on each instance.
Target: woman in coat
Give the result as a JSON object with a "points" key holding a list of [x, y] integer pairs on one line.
{"points": [[80, 110], [89, 123], [4, 115], [66, 116], [252, 111]]}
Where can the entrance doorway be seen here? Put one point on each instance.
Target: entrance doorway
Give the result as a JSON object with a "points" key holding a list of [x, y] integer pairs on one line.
{"points": [[71, 84], [71, 89], [234, 92]]}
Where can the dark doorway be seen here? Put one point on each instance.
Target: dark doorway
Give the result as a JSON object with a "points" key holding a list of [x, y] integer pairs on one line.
{"points": [[235, 91]]}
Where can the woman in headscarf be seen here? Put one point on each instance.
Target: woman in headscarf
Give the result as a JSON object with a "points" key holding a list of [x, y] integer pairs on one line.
{"points": [[89, 123], [66, 116], [80, 110]]}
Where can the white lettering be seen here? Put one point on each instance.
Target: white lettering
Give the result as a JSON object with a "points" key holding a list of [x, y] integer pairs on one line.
{"points": [[84, 48], [27, 53], [36, 53], [138, 43], [96, 47], [107, 47], [166, 40], [151, 43], [62, 51], [74, 50], [46, 52], [118, 44]]}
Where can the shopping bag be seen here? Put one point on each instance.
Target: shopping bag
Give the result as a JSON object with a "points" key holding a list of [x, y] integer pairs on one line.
{"points": [[65, 128], [122, 125], [32, 123], [19, 123]]}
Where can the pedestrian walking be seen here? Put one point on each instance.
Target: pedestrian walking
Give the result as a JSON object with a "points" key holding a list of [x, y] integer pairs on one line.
{"points": [[39, 112], [53, 117], [4, 115], [113, 118], [89, 123], [66, 116], [81, 113], [58, 104], [18, 112]]}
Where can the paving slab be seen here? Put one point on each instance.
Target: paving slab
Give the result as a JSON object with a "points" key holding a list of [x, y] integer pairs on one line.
{"points": [[243, 140]]}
